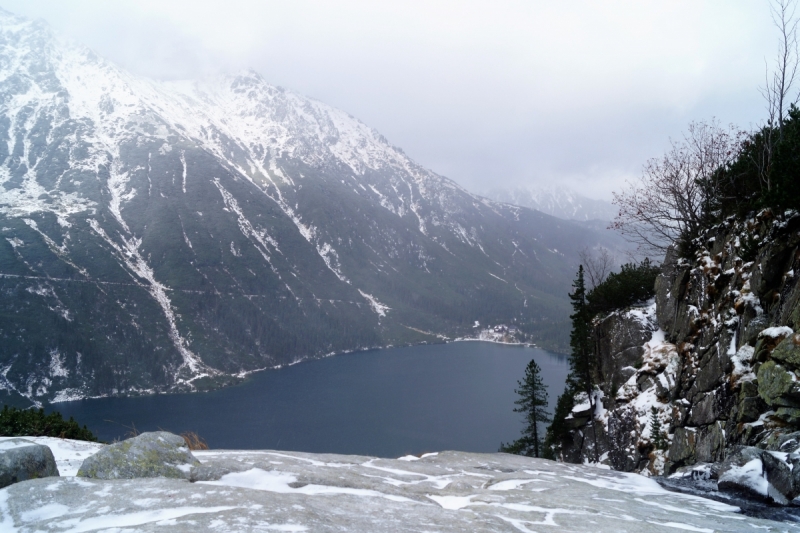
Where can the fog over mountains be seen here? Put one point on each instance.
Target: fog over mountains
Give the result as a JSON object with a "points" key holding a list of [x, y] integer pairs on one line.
{"points": [[173, 235], [561, 202]]}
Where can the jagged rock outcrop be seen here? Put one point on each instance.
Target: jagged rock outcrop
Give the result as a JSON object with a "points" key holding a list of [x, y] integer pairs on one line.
{"points": [[717, 354]]}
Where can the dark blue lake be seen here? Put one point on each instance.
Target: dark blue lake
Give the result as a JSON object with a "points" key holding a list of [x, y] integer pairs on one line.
{"points": [[388, 403]]}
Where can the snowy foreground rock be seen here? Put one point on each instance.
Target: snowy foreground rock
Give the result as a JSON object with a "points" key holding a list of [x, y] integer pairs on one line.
{"points": [[21, 459], [291, 491]]}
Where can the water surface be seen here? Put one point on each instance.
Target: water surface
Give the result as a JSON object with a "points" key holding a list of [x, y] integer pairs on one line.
{"points": [[387, 403]]}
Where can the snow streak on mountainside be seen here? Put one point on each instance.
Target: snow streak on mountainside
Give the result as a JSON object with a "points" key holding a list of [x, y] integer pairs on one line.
{"points": [[168, 236]]}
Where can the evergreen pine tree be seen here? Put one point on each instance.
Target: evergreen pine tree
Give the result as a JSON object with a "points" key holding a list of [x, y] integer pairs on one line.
{"points": [[558, 431], [656, 435], [532, 403], [581, 360]]}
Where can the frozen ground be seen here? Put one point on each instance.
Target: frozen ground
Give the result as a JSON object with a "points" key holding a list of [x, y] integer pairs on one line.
{"points": [[290, 491]]}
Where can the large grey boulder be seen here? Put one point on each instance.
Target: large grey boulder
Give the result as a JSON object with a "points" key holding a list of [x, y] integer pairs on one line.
{"points": [[761, 474], [155, 454], [22, 459], [704, 411], [742, 472]]}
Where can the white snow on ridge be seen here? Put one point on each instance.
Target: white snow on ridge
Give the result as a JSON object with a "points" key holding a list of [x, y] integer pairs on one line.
{"points": [[558, 201], [247, 123], [379, 308], [259, 239]]}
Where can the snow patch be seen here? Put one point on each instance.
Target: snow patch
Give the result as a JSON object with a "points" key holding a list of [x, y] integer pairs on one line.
{"points": [[776, 332], [377, 307]]}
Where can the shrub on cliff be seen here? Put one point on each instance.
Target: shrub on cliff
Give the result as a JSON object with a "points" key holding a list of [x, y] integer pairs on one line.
{"points": [[34, 423], [764, 173], [633, 284]]}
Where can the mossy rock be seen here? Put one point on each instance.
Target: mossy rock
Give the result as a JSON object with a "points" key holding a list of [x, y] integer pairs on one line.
{"points": [[790, 415], [794, 317], [750, 405], [788, 351], [778, 386], [156, 454]]}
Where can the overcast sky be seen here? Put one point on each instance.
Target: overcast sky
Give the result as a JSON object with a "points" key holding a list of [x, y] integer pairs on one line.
{"points": [[489, 93]]}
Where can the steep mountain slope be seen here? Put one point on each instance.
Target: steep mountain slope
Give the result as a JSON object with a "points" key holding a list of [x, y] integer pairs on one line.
{"points": [[169, 236]]}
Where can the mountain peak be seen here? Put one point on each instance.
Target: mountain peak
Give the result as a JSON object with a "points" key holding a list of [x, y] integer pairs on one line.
{"points": [[246, 78]]}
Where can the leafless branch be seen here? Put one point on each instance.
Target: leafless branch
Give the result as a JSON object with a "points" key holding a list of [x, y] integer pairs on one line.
{"points": [[597, 265], [779, 82], [671, 197]]}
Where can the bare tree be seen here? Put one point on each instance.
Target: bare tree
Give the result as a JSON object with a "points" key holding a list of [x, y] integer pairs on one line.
{"points": [[779, 82], [671, 198], [598, 265]]}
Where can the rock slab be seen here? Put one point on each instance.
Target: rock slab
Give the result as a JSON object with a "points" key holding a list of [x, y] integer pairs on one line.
{"points": [[22, 459], [446, 492]]}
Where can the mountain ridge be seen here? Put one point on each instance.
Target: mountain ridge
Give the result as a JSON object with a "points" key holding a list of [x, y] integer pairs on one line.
{"points": [[166, 236], [560, 202]]}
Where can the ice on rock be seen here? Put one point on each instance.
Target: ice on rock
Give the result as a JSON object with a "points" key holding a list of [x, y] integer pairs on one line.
{"points": [[750, 475], [776, 332], [292, 491]]}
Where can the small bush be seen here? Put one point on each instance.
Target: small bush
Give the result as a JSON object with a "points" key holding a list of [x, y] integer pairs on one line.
{"points": [[633, 284], [34, 423], [194, 441], [748, 250]]}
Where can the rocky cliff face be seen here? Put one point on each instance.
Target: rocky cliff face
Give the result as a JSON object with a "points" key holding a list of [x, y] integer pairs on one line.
{"points": [[717, 356]]}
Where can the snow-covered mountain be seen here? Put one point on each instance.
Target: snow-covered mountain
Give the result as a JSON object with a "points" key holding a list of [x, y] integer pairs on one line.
{"points": [[173, 235], [561, 202]]}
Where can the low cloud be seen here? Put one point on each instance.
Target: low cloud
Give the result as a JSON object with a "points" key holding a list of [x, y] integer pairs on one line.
{"points": [[486, 93]]}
